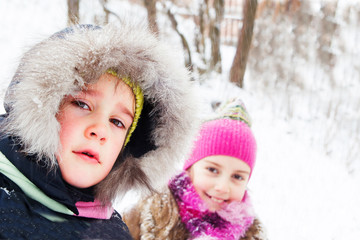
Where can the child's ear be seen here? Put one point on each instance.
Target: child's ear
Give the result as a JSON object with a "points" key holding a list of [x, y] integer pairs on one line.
{"points": [[189, 172]]}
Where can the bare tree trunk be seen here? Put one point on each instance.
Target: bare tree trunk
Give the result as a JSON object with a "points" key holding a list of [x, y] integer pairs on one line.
{"points": [[200, 34], [108, 12], [73, 12], [215, 27], [151, 15], [174, 24], [211, 13], [200, 31], [327, 29], [238, 67]]}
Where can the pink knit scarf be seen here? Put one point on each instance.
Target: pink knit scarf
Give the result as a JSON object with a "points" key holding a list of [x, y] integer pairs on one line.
{"points": [[230, 222]]}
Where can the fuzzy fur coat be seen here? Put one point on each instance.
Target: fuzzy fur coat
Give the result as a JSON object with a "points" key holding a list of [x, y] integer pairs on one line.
{"points": [[64, 63], [157, 217]]}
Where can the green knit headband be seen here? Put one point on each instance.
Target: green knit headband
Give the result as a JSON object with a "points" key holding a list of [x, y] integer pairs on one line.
{"points": [[139, 101], [234, 109]]}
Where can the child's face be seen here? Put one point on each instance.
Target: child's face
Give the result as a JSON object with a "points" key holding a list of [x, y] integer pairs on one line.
{"points": [[219, 180], [94, 125]]}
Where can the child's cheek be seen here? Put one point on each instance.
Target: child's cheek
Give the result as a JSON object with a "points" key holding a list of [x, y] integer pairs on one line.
{"points": [[201, 186], [238, 193]]}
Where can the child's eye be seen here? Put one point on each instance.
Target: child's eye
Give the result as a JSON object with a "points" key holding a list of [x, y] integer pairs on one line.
{"points": [[238, 177], [117, 123], [81, 104], [213, 170]]}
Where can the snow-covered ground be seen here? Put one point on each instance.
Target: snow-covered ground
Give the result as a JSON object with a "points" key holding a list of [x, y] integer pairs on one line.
{"points": [[299, 191]]}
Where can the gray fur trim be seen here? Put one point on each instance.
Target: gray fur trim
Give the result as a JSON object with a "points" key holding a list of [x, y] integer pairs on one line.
{"points": [[61, 66]]}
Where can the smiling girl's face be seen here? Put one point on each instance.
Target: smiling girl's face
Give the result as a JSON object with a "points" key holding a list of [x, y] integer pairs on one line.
{"points": [[94, 124], [220, 180]]}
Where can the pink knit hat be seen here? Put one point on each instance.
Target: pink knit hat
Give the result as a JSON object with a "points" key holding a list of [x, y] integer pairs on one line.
{"points": [[228, 135]]}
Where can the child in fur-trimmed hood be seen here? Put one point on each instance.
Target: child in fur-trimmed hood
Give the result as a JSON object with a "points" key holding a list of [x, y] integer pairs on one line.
{"points": [[208, 199], [91, 112]]}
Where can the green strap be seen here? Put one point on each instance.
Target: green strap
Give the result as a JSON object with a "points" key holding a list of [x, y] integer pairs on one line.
{"points": [[32, 191]]}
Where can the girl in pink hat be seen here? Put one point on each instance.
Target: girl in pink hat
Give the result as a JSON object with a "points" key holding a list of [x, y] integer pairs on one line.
{"points": [[208, 199]]}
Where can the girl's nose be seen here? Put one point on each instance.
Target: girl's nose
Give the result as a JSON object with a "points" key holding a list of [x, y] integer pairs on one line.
{"points": [[222, 185], [97, 131]]}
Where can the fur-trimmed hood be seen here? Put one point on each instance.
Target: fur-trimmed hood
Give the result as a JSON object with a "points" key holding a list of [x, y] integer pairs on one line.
{"points": [[64, 63]]}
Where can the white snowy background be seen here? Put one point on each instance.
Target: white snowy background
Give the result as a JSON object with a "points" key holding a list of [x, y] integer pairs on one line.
{"points": [[303, 187]]}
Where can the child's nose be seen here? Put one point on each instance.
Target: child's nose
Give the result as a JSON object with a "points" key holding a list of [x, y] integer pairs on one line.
{"points": [[222, 185], [97, 131]]}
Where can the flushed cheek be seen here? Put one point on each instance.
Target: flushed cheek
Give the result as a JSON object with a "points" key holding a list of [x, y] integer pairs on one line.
{"points": [[203, 190], [238, 195], [199, 184], [68, 130], [112, 155]]}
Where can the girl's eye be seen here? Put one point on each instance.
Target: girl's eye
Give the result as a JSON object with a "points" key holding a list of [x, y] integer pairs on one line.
{"points": [[117, 123], [81, 104], [212, 170], [238, 177]]}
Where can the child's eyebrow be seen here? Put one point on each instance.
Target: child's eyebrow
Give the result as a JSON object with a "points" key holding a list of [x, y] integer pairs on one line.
{"points": [[89, 91], [242, 171], [94, 93], [126, 111], [218, 165], [214, 163]]}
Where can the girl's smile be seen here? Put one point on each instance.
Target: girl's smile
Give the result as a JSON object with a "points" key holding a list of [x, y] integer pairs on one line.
{"points": [[215, 199], [219, 180], [214, 202]]}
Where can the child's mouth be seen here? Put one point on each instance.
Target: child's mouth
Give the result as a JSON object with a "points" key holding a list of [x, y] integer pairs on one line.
{"points": [[88, 155], [216, 200]]}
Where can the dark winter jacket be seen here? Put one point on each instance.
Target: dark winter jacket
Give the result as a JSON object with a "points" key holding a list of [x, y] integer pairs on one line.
{"points": [[37, 204]]}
